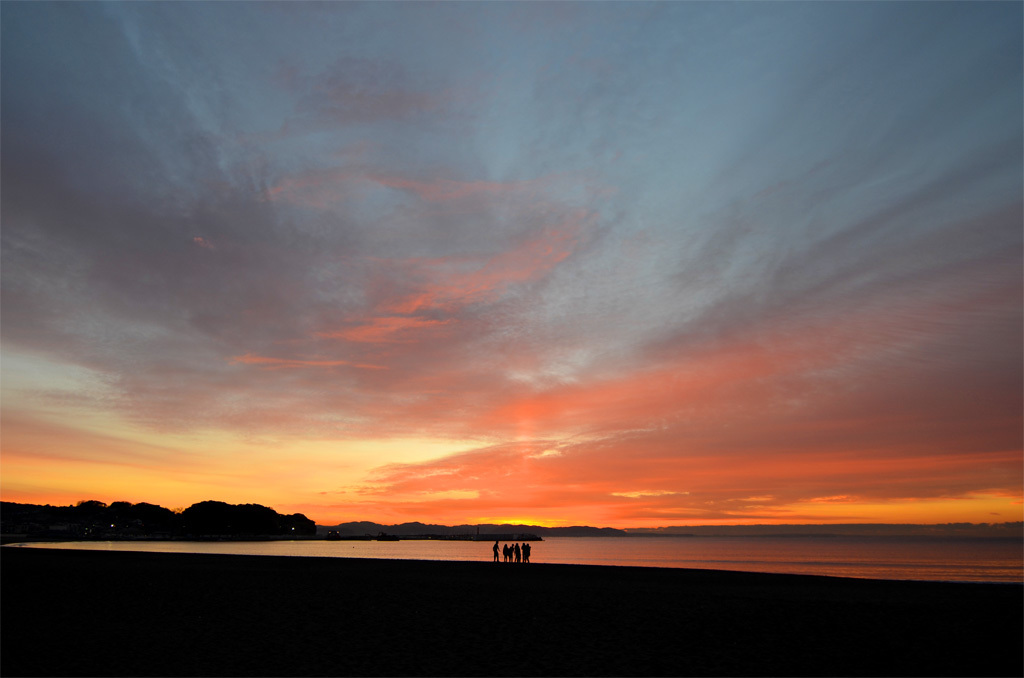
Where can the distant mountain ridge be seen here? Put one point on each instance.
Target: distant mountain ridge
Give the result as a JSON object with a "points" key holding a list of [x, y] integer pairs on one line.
{"points": [[980, 530], [985, 530], [417, 529]]}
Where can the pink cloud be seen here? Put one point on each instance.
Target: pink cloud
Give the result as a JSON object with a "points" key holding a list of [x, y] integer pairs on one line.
{"points": [[393, 329], [444, 286], [441, 190], [319, 189], [328, 187], [460, 281], [282, 363]]}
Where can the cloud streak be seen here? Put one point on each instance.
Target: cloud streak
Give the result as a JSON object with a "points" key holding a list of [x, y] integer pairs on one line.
{"points": [[758, 266]]}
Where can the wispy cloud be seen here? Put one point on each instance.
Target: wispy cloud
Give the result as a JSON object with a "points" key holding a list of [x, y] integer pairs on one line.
{"points": [[729, 272], [281, 363], [638, 494], [442, 190], [328, 187], [385, 329]]}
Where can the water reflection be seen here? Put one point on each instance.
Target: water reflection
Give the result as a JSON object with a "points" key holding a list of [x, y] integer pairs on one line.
{"points": [[936, 559]]}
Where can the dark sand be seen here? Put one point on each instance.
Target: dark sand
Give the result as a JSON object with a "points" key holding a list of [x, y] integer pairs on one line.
{"points": [[90, 613]]}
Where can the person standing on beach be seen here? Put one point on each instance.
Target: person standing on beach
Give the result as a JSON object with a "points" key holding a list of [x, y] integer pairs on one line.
{"points": [[526, 551], [504, 552], [495, 549], [517, 551]]}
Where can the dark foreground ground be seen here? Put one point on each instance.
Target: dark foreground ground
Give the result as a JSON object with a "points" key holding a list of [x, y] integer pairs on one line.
{"points": [[82, 613]]}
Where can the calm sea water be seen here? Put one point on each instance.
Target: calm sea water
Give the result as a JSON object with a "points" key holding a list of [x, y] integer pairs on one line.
{"points": [[919, 558]]}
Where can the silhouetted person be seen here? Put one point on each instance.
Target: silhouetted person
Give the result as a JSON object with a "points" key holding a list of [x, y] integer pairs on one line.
{"points": [[517, 552], [505, 551], [495, 549], [526, 551]]}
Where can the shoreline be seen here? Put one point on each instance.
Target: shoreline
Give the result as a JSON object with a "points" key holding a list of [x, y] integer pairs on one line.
{"points": [[925, 572], [135, 613]]}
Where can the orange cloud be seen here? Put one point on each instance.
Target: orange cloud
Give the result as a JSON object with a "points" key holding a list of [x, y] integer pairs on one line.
{"points": [[774, 428], [598, 479]]}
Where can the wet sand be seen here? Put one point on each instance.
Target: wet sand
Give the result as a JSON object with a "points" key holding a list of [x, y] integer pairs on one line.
{"points": [[93, 613]]}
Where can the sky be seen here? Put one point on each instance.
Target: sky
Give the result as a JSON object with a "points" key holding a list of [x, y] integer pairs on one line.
{"points": [[618, 264]]}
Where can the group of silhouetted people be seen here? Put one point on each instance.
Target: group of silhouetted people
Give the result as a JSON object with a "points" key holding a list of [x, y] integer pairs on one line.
{"points": [[513, 553]]}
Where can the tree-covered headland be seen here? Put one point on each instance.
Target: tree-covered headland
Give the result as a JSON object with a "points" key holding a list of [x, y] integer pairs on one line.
{"points": [[123, 520]]}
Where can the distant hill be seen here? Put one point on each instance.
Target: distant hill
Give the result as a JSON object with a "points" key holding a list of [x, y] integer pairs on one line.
{"points": [[982, 530], [124, 520], [986, 530], [418, 529]]}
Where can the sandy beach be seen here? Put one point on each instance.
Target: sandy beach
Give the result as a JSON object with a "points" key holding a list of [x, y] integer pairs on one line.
{"points": [[92, 613]]}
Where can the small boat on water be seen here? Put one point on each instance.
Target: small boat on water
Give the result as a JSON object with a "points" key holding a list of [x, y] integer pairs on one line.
{"points": [[333, 535]]}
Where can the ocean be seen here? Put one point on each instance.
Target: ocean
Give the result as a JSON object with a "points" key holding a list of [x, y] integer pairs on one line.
{"points": [[902, 558]]}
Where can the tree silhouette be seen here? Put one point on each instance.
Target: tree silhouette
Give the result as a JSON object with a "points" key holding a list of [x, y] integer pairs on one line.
{"points": [[91, 518]]}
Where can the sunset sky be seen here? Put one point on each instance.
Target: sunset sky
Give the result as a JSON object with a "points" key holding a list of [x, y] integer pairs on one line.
{"points": [[618, 264]]}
